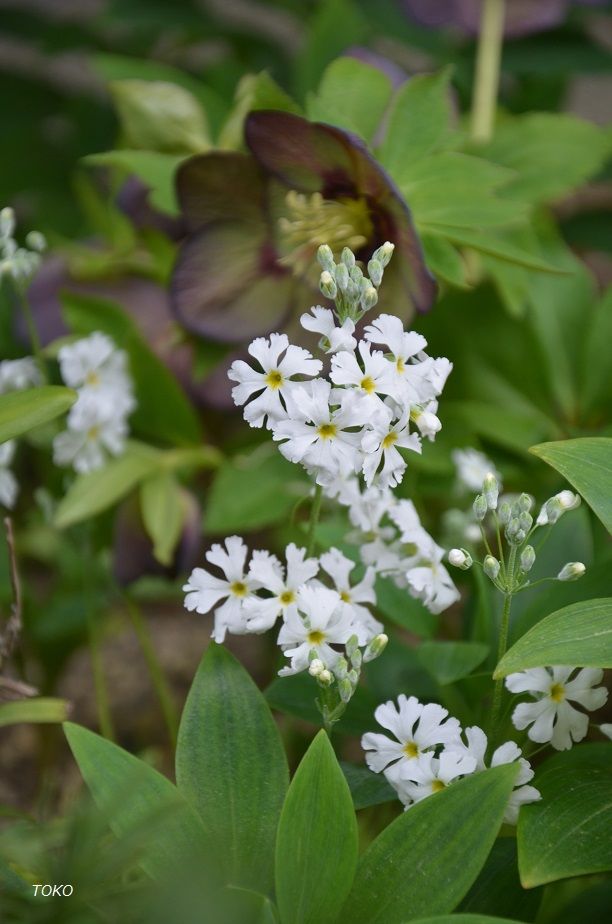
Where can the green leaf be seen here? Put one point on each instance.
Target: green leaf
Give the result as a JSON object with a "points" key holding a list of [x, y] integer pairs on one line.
{"points": [[367, 788], [21, 411], [416, 867], [396, 604], [137, 801], [587, 465], [466, 919], [597, 382], [160, 116], [42, 709], [494, 244], [250, 492], [580, 634], [97, 491], [419, 123], [444, 260], [316, 849], [498, 889], [511, 428], [231, 767], [163, 513], [568, 833], [450, 661], [333, 27], [163, 410], [254, 92], [296, 696], [352, 95], [156, 170]]}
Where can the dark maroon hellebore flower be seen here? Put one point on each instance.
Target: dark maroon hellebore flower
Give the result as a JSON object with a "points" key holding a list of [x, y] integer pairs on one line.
{"points": [[255, 221], [522, 16]]}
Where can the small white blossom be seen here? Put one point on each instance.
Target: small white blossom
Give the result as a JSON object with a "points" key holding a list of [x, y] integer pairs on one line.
{"points": [[95, 367], [262, 612], [551, 717], [18, 374], [428, 775], [381, 443], [430, 582], [8, 483], [373, 382], [353, 598], [472, 468], [93, 434], [317, 623], [333, 338]]}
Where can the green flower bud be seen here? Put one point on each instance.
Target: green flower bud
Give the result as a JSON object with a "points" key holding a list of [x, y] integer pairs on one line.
{"points": [[504, 512], [326, 258], [375, 270], [480, 507], [526, 521], [348, 257], [491, 566], [36, 241], [352, 646], [7, 222], [375, 647], [528, 558], [525, 503], [572, 571], [369, 298], [460, 558], [384, 253], [342, 277], [356, 275], [325, 678], [345, 689], [490, 489], [341, 669], [328, 285]]}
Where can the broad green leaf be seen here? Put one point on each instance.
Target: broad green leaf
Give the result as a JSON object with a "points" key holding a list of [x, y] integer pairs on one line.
{"points": [[316, 849], [296, 696], [254, 92], [511, 428], [431, 870], [367, 788], [352, 95], [580, 634], [21, 411], [136, 799], [97, 491], [155, 169], [444, 260], [494, 244], [163, 410], [467, 919], [160, 116], [568, 833], [333, 27], [163, 511], [597, 382], [231, 767], [498, 889], [250, 492], [40, 709], [587, 465], [396, 604], [419, 123], [450, 661]]}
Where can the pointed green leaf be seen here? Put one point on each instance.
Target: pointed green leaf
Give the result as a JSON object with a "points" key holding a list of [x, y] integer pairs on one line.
{"points": [[450, 661], [231, 766], [21, 411], [352, 95], [466, 919], [163, 511], [40, 709], [579, 634], [136, 798], [498, 889], [160, 116], [587, 465], [316, 850], [427, 859], [367, 788]]}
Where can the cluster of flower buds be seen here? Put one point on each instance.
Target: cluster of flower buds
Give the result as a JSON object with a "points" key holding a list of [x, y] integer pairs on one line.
{"points": [[18, 262], [339, 683], [345, 283]]}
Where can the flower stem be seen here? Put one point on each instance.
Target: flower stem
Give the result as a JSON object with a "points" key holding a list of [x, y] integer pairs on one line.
{"points": [[32, 332], [105, 719], [488, 61], [503, 637], [315, 512]]}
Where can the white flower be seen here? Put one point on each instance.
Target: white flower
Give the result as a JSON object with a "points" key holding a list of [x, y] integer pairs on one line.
{"points": [[412, 534], [333, 338], [275, 380], [429, 775], [98, 369], [426, 420], [472, 467], [430, 582], [262, 612], [556, 506], [551, 717], [321, 436], [381, 443], [8, 483], [606, 729], [507, 753], [93, 434], [204, 590], [353, 598], [416, 727], [318, 622], [372, 382], [17, 374]]}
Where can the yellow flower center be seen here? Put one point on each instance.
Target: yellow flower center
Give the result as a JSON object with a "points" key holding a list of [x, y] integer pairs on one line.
{"points": [[411, 749], [400, 365], [368, 384], [326, 431], [238, 588], [92, 378], [312, 220], [345, 596], [93, 433], [438, 786], [274, 379], [287, 597], [409, 549], [316, 637], [557, 692], [389, 440]]}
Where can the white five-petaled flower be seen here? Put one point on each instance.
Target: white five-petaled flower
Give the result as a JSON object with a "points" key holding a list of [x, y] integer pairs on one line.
{"points": [[429, 581], [18, 374], [95, 367], [280, 361], [322, 435], [381, 443], [416, 727], [262, 612], [204, 590], [333, 337], [373, 382], [353, 598], [428, 775], [472, 466], [8, 482], [551, 717], [317, 623], [93, 434]]}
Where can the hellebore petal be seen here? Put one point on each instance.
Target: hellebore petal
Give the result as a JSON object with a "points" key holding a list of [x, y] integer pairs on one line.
{"points": [[220, 185], [523, 17]]}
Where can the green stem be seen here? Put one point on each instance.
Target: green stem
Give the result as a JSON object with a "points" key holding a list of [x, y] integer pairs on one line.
{"points": [[488, 62], [32, 332], [105, 719], [503, 638], [156, 672], [315, 512]]}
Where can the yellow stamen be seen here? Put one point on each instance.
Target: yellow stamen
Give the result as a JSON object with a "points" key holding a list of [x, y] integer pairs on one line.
{"points": [[411, 749], [239, 589], [400, 365], [438, 786], [326, 431], [557, 692], [93, 433], [368, 384], [345, 596], [274, 379], [316, 637], [389, 440], [287, 597], [92, 378]]}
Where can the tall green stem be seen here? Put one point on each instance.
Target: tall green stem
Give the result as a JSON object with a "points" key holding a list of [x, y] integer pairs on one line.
{"points": [[503, 637], [315, 512], [105, 719], [488, 61], [32, 332]]}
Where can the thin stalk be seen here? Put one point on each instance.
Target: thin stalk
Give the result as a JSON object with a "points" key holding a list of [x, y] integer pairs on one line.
{"points": [[488, 62], [315, 512], [32, 332], [500, 545], [156, 672], [105, 719], [503, 638]]}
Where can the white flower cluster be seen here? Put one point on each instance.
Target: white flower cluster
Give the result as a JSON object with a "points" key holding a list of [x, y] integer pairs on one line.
{"points": [[18, 262], [428, 753], [316, 614], [97, 421], [356, 421], [15, 375], [551, 717]]}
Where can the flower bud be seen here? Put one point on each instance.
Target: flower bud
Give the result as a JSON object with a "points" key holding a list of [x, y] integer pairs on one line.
{"points": [[352, 646], [356, 660], [327, 285], [352, 291], [490, 566], [384, 253], [526, 521], [36, 241], [572, 571], [325, 678], [512, 529], [376, 647], [326, 258], [357, 276], [556, 506], [341, 669], [315, 667], [342, 276], [460, 558], [348, 258], [7, 222], [490, 489], [345, 689], [525, 503], [528, 557], [520, 536], [369, 298], [375, 270], [568, 500], [480, 507], [504, 512]]}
